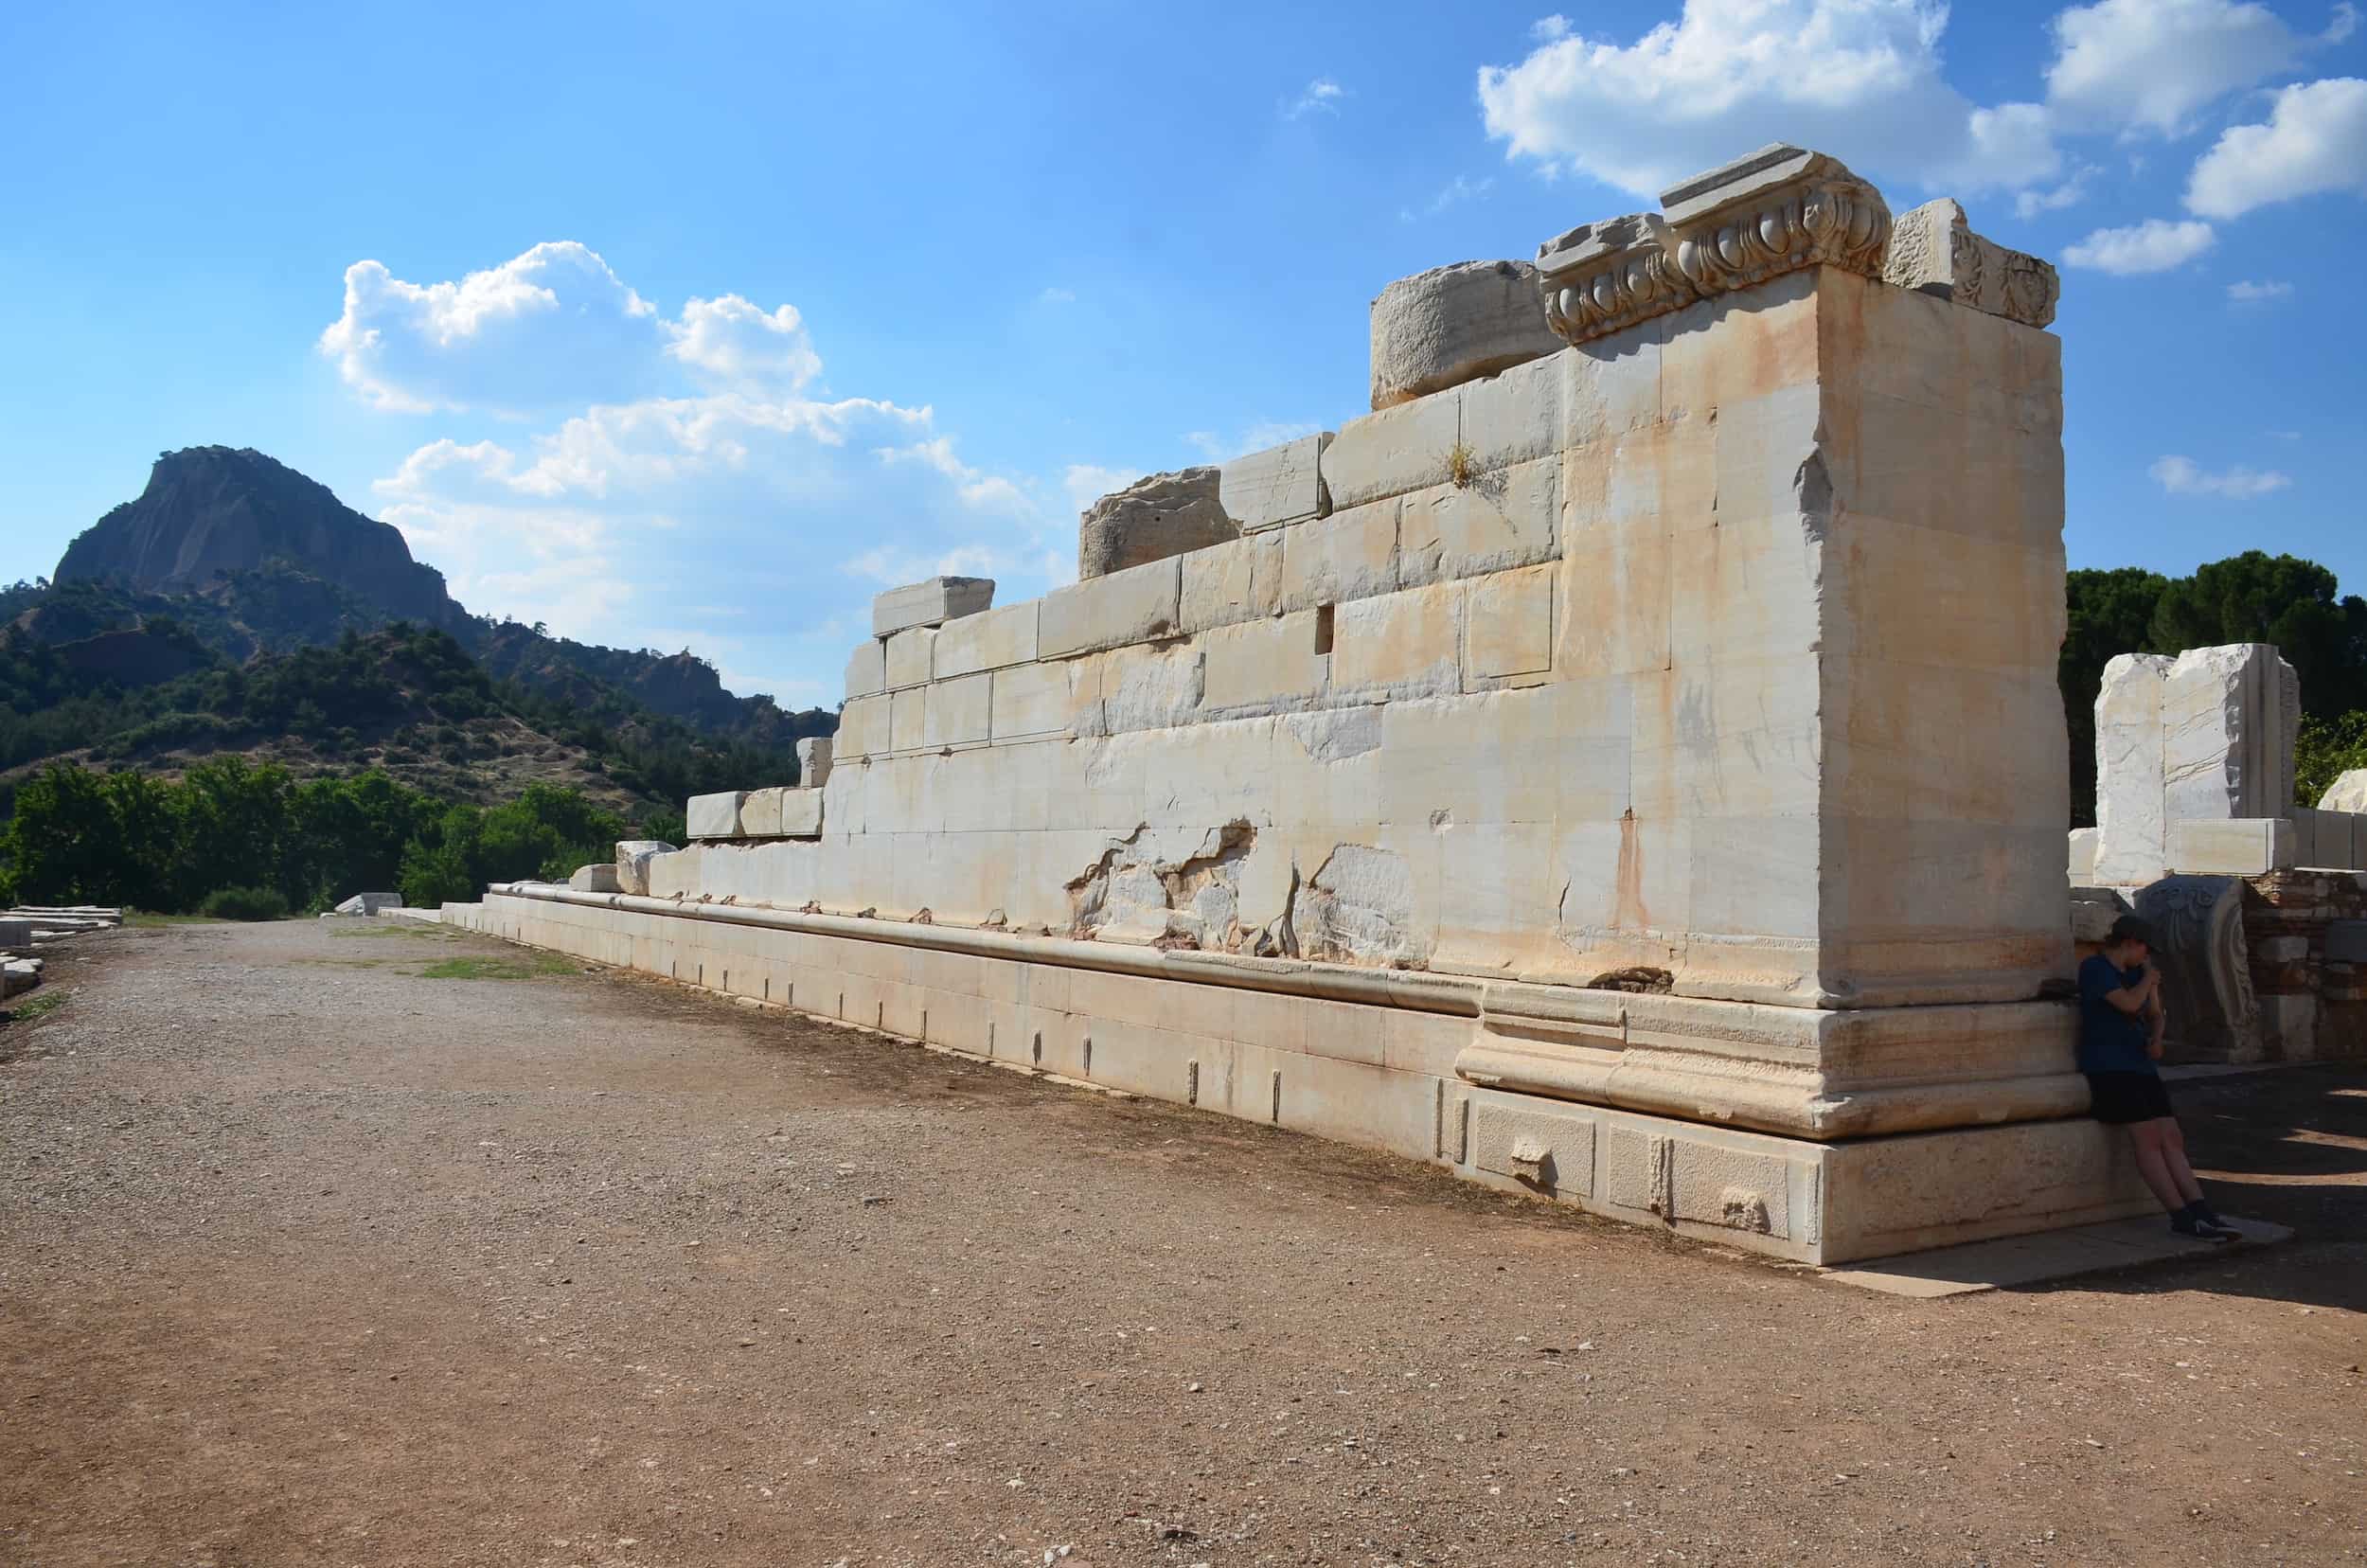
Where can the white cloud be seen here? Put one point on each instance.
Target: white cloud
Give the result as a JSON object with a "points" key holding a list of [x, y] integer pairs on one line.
{"points": [[2154, 245], [2183, 476], [1860, 79], [1454, 192], [2029, 204], [2314, 141], [1321, 93], [1052, 295], [739, 345], [1086, 483], [2151, 65], [553, 328], [2248, 293], [687, 462]]}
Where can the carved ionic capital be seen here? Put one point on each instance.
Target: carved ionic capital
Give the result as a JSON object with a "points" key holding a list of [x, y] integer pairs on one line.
{"points": [[1779, 210], [1600, 278]]}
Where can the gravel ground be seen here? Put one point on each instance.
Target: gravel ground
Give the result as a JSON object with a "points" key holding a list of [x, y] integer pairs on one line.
{"points": [[309, 1255]]}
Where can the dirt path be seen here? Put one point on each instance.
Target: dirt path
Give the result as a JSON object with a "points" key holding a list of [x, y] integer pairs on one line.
{"points": [[307, 1257]]}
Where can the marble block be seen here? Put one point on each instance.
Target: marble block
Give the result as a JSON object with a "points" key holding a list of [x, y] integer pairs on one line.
{"points": [[1279, 485], [931, 603], [714, 816], [2231, 847]]}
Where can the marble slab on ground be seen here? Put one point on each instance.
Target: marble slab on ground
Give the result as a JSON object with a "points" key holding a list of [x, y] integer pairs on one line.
{"points": [[2012, 1260]]}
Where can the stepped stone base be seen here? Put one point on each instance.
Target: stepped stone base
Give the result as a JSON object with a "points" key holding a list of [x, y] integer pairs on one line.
{"points": [[1363, 1057]]}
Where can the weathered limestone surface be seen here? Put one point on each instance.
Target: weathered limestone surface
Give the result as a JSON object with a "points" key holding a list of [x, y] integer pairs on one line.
{"points": [[633, 863], [2346, 794], [931, 603], [1152, 518], [2232, 846], [1456, 324], [2229, 719], [1932, 249], [1280, 484], [814, 761], [600, 877], [1134, 605], [1675, 712], [714, 816]]}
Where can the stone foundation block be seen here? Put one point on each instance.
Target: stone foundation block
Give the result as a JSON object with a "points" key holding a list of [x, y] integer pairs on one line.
{"points": [[1406, 448], [1134, 605], [988, 640], [1232, 583], [714, 816], [867, 669], [863, 727], [1264, 666], [1039, 699], [813, 760], [1284, 484], [959, 712], [1500, 520], [908, 660], [1350, 555]]}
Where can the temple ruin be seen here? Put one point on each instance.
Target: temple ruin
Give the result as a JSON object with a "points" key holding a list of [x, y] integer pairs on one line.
{"points": [[1625, 767]]}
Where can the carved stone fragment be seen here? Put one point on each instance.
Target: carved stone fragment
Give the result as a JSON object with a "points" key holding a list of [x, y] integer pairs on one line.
{"points": [[1934, 250], [2206, 974], [1779, 210], [1775, 212], [1600, 278]]}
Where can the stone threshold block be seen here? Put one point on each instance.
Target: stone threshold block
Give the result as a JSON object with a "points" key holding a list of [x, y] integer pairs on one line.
{"points": [[931, 603], [1363, 1057]]}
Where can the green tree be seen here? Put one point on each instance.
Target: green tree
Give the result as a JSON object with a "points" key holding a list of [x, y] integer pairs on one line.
{"points": [[2283, 599]]}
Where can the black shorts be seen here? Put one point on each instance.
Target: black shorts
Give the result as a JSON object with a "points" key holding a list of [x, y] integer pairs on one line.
{"points": [[2124, 1097]]}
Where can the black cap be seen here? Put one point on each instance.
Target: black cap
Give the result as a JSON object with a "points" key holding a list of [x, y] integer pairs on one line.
{"points": [[2129, 928]]}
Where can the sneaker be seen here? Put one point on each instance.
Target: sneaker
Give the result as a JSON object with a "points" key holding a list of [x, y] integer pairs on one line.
{"points": [[2200, 1229]]}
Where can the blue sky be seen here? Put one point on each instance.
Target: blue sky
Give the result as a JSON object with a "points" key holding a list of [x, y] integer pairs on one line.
{"points": [[694, 325]]}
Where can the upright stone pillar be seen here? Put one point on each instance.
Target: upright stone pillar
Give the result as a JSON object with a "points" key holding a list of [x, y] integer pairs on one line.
{"points": [[1848, 509], [2205, 737]]}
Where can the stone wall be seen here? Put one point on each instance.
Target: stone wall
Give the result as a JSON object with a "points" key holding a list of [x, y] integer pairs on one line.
{"points": [[1675, 711], [1720, 646], [1377, 1057]]}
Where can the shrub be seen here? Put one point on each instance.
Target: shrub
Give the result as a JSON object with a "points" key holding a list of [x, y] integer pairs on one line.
{"points": [[244, 903]]}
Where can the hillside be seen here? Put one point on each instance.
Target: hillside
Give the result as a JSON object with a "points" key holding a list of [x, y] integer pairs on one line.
{"points": [[408, 699], [252, 557], [209, 511]]}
